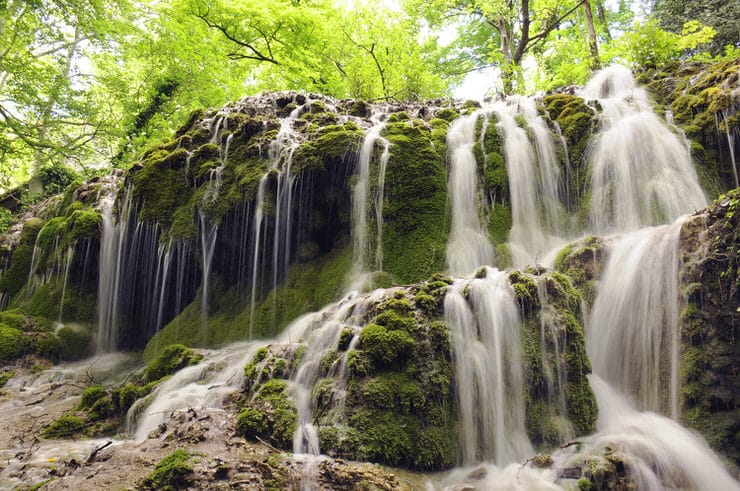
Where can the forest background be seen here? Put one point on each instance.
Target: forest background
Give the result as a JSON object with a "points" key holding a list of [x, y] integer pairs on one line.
{"points": [[86, 85]]}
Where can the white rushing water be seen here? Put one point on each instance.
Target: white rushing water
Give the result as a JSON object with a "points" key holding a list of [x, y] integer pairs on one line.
{"points": [[642, 173], [360, 192], [485, 335], [633, 334], [539, 223], [660, 453], [111, 269], [468, 246], [280, 153]]}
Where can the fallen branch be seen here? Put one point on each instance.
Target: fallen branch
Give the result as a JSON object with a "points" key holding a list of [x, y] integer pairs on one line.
{"points": [[268, 445], [570, 444], [95, 452]]}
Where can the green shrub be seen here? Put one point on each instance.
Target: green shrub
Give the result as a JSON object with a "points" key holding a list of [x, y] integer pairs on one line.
{"points": [[90, 396], [65, 427]]}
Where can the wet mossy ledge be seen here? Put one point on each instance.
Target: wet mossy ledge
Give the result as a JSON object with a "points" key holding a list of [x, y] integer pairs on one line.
{"points": [[385, 384], [101, 410]]}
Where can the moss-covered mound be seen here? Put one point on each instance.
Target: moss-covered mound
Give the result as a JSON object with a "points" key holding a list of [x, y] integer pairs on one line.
{"points": [[382, 380], [710, 249]]}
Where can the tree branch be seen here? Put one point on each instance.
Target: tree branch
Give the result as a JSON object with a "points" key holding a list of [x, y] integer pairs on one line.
{"points": [[256, 54]]}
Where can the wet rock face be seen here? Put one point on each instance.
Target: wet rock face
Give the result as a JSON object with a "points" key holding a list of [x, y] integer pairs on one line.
{"points": [[710, 250], [703, 101]]}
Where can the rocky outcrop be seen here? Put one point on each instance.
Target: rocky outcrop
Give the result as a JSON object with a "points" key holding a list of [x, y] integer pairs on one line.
{"points": [[710, 282]]}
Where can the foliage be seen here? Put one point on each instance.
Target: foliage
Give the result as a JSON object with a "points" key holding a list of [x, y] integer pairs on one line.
{"points": [[647, 45], [721, 16]]}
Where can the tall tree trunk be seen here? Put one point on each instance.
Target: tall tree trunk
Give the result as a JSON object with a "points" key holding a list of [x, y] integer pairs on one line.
{"points": [[601, 14], [505, 46], [593, 47]]}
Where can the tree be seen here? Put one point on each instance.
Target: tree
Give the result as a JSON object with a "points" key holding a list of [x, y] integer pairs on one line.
{"points": [[721, 15], [46, 115], [516, 26]]}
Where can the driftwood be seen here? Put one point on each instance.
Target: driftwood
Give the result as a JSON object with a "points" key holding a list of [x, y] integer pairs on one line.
{"points": [[95, 452]]}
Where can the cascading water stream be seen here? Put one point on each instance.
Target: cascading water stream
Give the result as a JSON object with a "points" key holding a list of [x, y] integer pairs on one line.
{"points": [[468, 246], [642, 174], [360, 191], [281, 156], [633, 334], [68, 256], [539, 223], [111, 259], [485, 335]]}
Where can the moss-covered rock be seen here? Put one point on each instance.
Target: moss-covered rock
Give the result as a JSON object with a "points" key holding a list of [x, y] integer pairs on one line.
{"points": [[415, 227], [700, 98], [68, 426], [270, 414], [583, 262], [171, 359], [171, 473], [710, 252], [577, 122]]}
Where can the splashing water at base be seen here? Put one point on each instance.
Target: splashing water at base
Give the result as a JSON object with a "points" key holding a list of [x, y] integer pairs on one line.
{"points": [[488, 369]]}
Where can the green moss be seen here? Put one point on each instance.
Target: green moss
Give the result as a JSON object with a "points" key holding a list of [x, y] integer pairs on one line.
{"points": [[415, 230], [12, 343], [270, 414], [75, 343], [15, 277], [171, 473], [65, 427], [124, 397], [5, 376], [308, 287], [386, 348], [332, 143], [83, 224], [171, 359], [160, 186], [100, 409], [699, 99], [447, 114], [90, 396]]}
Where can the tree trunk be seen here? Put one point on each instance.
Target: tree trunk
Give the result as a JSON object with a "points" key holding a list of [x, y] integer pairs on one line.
{"points": [[593, 47]]}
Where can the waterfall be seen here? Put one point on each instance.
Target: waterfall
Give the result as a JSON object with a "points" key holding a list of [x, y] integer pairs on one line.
{"points": [[642, 174], [111, 252], [485, 334], [280, 154], [360, 191], [556, 382], [633, 333], [468, 246], [539, 223], [67, 264], [660, 453]]}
